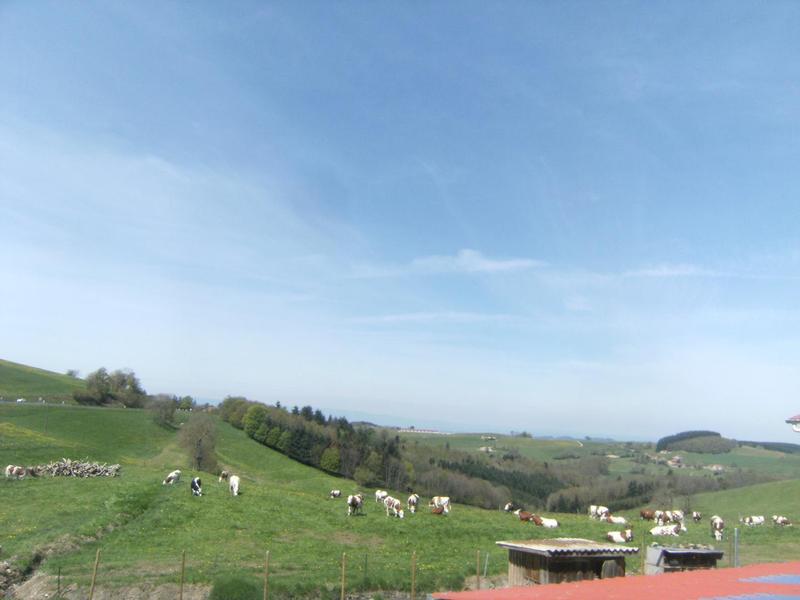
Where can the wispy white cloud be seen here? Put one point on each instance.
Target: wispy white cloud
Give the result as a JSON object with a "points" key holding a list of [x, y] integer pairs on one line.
{"points": [[464, 261]]}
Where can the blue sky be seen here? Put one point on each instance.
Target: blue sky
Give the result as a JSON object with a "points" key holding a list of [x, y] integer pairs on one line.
{"points": [[561, 217]]}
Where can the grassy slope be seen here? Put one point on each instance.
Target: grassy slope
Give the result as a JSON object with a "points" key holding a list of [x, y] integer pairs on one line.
{"points": [[777, 464], [28, 382], [283, 509]]}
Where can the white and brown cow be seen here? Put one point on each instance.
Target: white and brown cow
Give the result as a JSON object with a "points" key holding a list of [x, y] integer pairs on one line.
{"points": [[196, 486], [548, 523], [233, 484], [697, 516], [335, 494], [224, 476], [597, 511], [442, 502], [782, 521], [753, 520], [666, 529], [393, 507], [413, 502], [380, 495], [620, 537], [173, 477], [717, 527], [355, 504], [17, 472], [615, 520]]}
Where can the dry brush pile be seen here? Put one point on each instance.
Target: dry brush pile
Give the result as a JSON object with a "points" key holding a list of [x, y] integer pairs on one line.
{"points": [[78, 468]]}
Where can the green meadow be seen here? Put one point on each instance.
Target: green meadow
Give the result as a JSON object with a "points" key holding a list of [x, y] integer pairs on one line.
{"points": [[142, 527]]}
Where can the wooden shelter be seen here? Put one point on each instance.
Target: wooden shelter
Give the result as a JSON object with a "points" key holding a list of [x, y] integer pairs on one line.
{"points": [[563, 559], [665, 559]]}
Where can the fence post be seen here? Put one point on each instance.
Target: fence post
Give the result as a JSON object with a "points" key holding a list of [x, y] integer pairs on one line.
{"points": [[344, 569], [486, 565], [478, 570], [183, 570], [736, 547], [266, 575], [414, 575], [94, 574]]}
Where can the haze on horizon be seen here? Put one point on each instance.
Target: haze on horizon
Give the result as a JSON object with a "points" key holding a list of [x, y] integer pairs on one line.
{"points": [[571, 218]]}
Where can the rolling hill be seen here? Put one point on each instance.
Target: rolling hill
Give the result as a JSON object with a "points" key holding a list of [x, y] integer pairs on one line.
{"points": [[21, 381], [141, 527]]}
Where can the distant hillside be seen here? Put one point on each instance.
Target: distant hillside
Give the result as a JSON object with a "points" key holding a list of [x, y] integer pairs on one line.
{"points": [[704, 442], [22, 381]]}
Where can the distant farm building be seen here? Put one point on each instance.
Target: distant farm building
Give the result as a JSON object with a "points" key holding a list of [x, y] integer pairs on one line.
{"points": [[563, 559]]}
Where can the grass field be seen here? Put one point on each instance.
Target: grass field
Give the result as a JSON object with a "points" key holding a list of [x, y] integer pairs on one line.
{"points": [[142, 527], [21, 381]]}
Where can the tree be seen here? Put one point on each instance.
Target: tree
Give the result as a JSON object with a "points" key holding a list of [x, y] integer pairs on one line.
{"points": [[162, 407], [73, 373], [253, 418], [198, 437], [126, 388], [186, 403]]}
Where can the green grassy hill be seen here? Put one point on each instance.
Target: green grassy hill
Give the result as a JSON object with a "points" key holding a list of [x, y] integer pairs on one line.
{"points": [[21, 381], [142, 527]]}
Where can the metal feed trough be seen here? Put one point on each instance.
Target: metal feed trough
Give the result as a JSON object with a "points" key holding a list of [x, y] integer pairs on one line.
{"points": [[563, 559]]}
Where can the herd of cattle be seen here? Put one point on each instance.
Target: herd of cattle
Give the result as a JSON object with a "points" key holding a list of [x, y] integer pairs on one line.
{"points": [[667, 522], [196, 486], [394, 507]]}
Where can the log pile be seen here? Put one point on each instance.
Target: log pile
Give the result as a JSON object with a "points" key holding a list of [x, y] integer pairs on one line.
{"points": [[78, 468]]}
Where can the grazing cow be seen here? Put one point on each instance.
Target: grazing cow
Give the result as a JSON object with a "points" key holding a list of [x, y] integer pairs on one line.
{"points": [[597, 511], [233, 484], [196, 486], [438, 510], [548, 523], [393, 506], [696, 516], [666, 529], [355, 504], [335, 493], [224, 476], [647, 514], [510, 507], [753, 520], [18, 472], [413, 501], [443, 501], [717, 527], [615, 520], [173, 477], [782, 521], [620, 537], [524, 515], [380, 495]]}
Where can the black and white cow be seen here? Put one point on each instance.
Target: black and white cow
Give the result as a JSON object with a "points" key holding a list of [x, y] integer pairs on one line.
{"points": [[196, 486]]}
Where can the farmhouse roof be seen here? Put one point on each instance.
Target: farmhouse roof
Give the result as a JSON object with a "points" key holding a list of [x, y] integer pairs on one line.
{"points": [[566, 547], [794, 419], [782, 580]]}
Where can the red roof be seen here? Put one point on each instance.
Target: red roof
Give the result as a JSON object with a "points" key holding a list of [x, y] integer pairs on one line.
{"points": [[794, 419], [780, 579]]}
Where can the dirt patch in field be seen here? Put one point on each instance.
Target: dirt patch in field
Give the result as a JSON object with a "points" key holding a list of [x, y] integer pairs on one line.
{"points": [[352, 539], [44, 587]]}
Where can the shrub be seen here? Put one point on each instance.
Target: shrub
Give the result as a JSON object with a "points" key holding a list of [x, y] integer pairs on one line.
{"points": [[236, 587]]}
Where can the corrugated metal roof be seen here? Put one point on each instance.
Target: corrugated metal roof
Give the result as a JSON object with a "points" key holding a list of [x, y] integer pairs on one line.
{"points": [[565, 547]]}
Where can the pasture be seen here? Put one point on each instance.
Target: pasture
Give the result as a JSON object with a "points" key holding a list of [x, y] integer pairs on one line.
{"points": [[22, 381], [142, 527]]}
